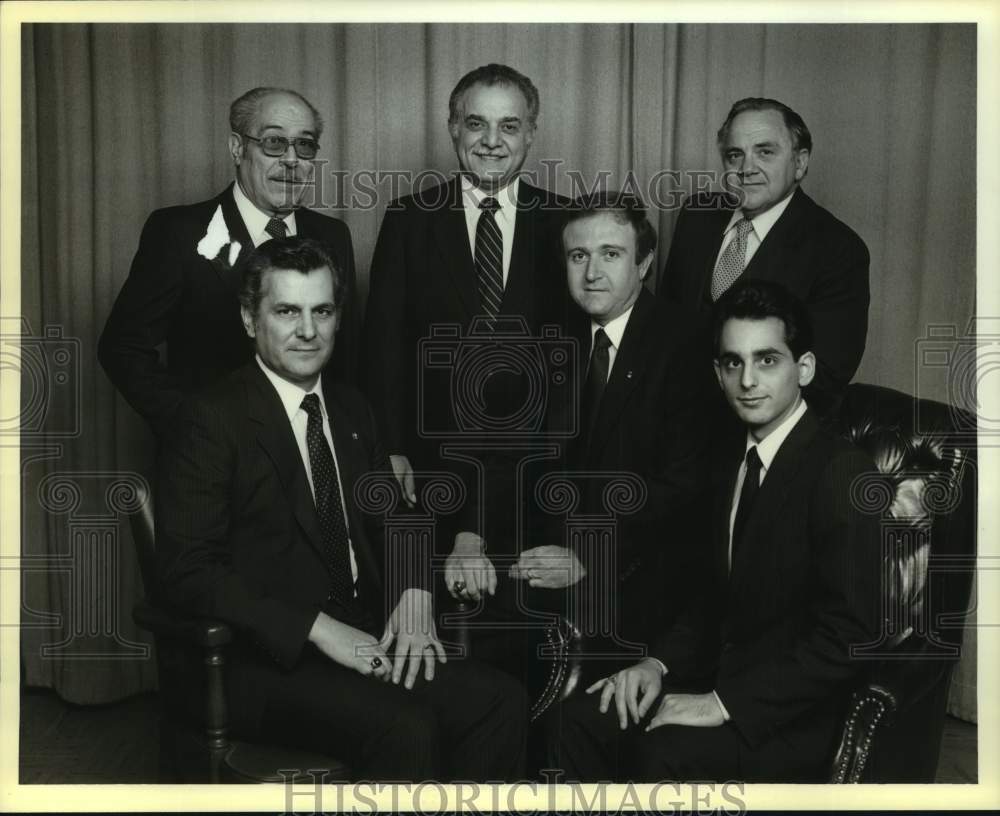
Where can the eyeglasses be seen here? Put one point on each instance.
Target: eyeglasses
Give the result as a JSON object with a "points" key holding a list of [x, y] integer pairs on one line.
{"points": [[278, 146]]}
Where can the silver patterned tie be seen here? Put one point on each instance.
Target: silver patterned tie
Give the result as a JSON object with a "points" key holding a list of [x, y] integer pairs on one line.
{"points": [[732, 262]]}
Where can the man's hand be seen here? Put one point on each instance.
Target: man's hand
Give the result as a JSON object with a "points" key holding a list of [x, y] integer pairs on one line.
{"points": [[411, 625], [688, 709], [403, 472], [644, 678], [468, 573], [548, 567], [349, 647]]}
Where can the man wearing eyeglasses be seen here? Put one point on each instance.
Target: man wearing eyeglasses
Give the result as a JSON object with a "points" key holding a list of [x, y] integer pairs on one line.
{"points": [[181, 291]]}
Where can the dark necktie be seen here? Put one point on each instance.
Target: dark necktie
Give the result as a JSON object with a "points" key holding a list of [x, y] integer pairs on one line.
{"points": [[489, 259], [328, 507], [276, 228], [751, 486], [597, 379], [732, 260]]}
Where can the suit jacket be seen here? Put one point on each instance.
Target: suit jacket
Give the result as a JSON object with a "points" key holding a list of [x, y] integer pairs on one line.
{"points": [[651, 423], [175, 296], [237, 533], [422, 276], [773, 635], [820, 259]]}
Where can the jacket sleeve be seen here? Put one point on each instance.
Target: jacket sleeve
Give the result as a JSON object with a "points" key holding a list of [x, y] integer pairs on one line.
{"points": [[388, 354], [838, 305], [139, 322], [194, 559], [344, 363]]}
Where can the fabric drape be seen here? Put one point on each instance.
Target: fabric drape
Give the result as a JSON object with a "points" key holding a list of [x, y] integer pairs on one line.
{"points": [[120, 119]]}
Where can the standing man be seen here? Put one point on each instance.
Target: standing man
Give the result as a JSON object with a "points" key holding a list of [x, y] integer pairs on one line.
{"points": [[766, 646], [775, 232], [473, 253], [182, 287], [257, 525], [642, 386]]}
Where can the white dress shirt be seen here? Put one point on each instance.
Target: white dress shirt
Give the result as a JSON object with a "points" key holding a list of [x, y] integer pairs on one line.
{"points": [[761, 227], [255, 220], [291, 397], [472, 197]]}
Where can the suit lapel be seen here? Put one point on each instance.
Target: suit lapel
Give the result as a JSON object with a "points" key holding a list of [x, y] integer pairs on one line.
{"points": [[232, 275], [712, 243], [780, 478], [626, 374], [275, 436], [768, 262], [452, 239]]}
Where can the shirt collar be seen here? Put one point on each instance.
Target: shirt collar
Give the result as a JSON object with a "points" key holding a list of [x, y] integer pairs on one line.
{"points": [[762, 223], [615, 329], [768, 448], [291, 395], [256, 219], [506, 198]]}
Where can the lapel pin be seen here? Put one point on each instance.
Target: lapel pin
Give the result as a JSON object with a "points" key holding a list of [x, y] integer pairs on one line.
{"points": [[628, 374], [354, 434]]}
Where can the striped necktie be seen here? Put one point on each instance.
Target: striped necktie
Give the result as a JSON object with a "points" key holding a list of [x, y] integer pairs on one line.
{"points": [[489, 259]]}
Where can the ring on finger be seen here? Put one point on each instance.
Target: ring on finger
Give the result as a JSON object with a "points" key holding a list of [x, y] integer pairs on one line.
{"points": [[458, 586]]}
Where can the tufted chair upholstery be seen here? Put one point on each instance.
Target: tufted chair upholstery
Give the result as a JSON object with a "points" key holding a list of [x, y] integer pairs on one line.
{"points": [[925, 452]]}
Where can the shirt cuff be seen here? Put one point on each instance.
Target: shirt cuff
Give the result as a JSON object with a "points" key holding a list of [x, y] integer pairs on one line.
{"points": [[663, 668], [725, 714]]}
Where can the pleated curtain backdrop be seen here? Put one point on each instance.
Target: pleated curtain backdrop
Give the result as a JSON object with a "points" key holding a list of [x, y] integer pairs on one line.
{"points": [[119, 120]]}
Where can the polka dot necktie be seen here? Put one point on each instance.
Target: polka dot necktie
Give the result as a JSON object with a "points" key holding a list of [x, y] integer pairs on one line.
{"points": [[489, 258], [276, 228], [331, 513], [732, 261]]}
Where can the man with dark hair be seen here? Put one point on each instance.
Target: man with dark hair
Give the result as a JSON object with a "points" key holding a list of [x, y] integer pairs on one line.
{"points": [[181, 289], [477, 257], [257, 524], [643, 379], [753, 679], [767, 228]]}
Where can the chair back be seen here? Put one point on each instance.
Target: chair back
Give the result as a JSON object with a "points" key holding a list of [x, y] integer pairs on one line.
{"points": [[925, 453]]}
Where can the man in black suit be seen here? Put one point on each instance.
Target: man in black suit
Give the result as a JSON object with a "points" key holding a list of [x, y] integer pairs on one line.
{"points": [[767, 228], [640, 390], [760, 667], [257, 524], [478, 256], [182, 287]]}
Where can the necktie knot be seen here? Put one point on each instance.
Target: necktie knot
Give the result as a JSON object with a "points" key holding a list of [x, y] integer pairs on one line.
{"points": [[310, 404], [753, 460], [601, 341], [276, 228], [489, 204], [743, 228]]}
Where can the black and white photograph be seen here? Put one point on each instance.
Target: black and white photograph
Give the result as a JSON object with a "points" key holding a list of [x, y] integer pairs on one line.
{"points": [[470, 409]]}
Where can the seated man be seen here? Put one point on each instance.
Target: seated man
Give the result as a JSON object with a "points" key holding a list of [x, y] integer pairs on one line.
{"points": [[640, 394], [257, 525], [794, 585]]}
